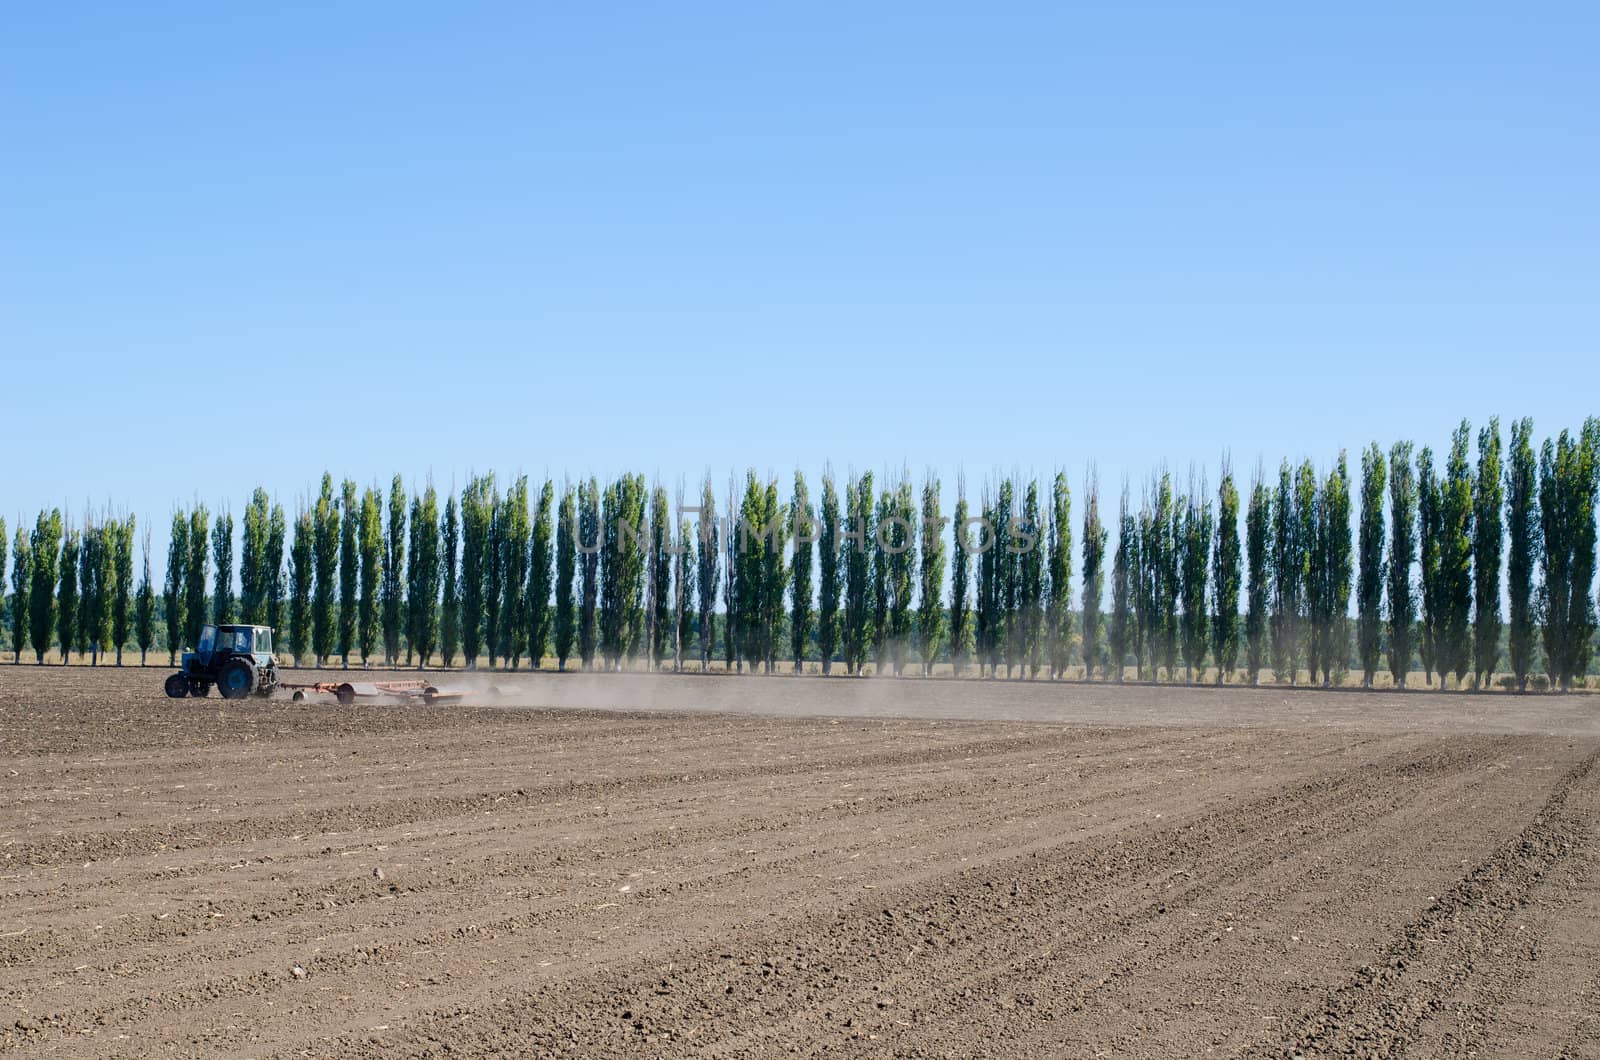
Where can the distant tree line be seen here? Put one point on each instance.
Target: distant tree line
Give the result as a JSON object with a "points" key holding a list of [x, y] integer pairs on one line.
{"points": [[602, 576]]}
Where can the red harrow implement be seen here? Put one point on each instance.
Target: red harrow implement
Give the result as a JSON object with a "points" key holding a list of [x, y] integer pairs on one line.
{"points": [[347, 692]]}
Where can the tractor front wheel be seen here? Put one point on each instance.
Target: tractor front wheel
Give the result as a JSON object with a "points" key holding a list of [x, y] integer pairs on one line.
{"points": [[199, 689], [177, 686], [237, 679]]}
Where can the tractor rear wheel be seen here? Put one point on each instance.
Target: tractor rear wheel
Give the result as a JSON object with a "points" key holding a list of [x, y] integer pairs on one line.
{"points": [[177, 686], [237, 679]]}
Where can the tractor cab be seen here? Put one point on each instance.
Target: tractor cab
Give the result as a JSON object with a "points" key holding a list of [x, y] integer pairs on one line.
{"points": [[237, 659]]}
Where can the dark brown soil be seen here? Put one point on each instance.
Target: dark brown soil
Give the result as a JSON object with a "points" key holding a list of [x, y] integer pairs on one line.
{"points": [[1021, 870]]}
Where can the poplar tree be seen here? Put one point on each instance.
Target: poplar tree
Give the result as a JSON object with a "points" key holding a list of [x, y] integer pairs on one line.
{"points": [[494, 574], [900, 553], [349, 569], [621, 568], [566, 623], [1307, 520], [831, 579], [450, 571], [1197, 529], [960, 583], [683, 589], [177, 577], [1402, 555], [395, 580], [252, 559], [1159, 548], [370, 546], [222, 556], [302, 572], [662, 630], [94, 583], [22, 594], [144, 606], [515, 547], [1286, 579], [272, 584], [325, 553], [1058, 606], [1428, 534], [775, 572], [422, 578], [121, 581], [986, 609], [732, 629], [1226, 578], [857, 572], [1335, 575], [931, 614], [477, 515], [708, 549], [67, 593], [1369, 591], [1488, 543], [805, 537], [1005, 629], [540, 576], [749, 581], [1094, 559], [1568, 484], [1258, 553], [882, 531], [195, 573], [1524, 532], [1030, 582], [1455, 559], [589, 550], [1121, 633], [45, 550]]}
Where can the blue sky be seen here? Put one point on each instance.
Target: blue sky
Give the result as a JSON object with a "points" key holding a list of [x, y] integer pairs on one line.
{"points": [[248, 245]]}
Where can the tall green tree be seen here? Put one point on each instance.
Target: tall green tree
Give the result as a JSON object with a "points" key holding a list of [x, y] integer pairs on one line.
{"points": [[541, 580], [830, 570], [1370, 585], [1402, 556], [732, 592], [589, 547], [1198, 527], [222, 556], [121, 581], [369, 549], [422, 578], [450, 572], [45, 550], [349, 569], [1455, 558], [1125, 565], [396, 618], [1569, 474], [494, 576], [1159, 548], [1030, 568], [177, 577], [67, 593], [960, 583], [22, 595], [1335, 572], [1429, 530], [621, 568], [1525, 541], [92, 613], [1287, 567], [1226, 578], [883, 538], [253, 558], [325, 553], [516, 551], [566, 624], [1488, 543], [272, 583], [708, 552], [659, 577], [196, 572], [857, 633], [1307, 519], [477, 524], [931, 564], [1094, 559], [144, 606], [302, 573], [1058, 596], [683, 589], [1007, 634], [1258, 536], [986, 620], [898, 539], [800, 587], [774, 574]]}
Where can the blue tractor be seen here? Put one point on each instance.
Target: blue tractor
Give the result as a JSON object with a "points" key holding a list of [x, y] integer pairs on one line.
{"points": [[237, 659]]}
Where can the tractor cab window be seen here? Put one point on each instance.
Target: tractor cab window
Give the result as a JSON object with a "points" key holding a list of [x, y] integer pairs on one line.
{"points": [[208, 640], [234, 641], [264, 642]]}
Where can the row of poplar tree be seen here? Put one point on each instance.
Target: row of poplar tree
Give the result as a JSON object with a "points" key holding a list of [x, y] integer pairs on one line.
{"points": [[599, 575]]}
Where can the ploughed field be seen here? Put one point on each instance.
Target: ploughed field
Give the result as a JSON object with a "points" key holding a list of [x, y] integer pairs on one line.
{"points": [[607, 865]]}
